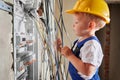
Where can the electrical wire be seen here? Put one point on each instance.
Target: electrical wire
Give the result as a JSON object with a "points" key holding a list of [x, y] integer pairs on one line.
{"points": [[53, 56]]}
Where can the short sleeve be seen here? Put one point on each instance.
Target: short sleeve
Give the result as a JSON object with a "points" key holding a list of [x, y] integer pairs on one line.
{"points": [[91, 53]]}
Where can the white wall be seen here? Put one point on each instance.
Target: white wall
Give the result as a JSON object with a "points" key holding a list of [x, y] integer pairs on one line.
{"points": [[68, 20], [5, 46]]}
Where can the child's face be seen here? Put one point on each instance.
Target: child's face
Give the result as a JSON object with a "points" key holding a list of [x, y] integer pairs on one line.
{"points": [[81, 25]]}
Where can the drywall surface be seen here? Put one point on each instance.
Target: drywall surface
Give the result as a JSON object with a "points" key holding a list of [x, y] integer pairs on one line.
{"points": [[6, 60]]}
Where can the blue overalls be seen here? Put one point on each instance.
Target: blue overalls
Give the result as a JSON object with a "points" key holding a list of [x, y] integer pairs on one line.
{"points": [[72, 70]]}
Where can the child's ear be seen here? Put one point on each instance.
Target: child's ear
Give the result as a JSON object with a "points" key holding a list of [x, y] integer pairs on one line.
{"points": [[92, 25]]}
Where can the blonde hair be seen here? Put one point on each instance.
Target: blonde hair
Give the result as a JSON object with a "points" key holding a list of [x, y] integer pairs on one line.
{"points": [[100, 23]]}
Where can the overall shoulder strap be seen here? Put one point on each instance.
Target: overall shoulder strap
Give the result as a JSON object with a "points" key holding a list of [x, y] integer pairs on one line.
{"points": [[80, 44], [90, 38], [74, 44]]}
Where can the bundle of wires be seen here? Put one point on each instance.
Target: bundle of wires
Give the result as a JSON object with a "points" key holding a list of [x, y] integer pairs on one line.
{"points": [[52, 61]]}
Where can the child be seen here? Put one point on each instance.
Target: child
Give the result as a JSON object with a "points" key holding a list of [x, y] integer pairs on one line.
{"points": [[86, 55]]}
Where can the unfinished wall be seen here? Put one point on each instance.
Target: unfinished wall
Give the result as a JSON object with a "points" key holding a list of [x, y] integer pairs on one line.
{"points": [[115, 42], [112, 0], [5, 46]]}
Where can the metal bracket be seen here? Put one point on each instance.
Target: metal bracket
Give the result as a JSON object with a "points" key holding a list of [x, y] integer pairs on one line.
{"points": [[6, 6]]}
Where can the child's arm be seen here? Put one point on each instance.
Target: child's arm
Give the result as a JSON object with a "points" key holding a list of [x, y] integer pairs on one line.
{"points": [[84, 68]]}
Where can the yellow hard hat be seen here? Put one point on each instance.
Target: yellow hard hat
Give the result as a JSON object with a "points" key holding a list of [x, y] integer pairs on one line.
{"points": [[95, 7]]}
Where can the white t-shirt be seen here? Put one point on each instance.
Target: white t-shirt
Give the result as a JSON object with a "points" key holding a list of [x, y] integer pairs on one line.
{"points": [[91, 52]]}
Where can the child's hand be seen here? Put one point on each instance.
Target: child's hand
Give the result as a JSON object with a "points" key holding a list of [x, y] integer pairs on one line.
{"points": [[66, 51]]}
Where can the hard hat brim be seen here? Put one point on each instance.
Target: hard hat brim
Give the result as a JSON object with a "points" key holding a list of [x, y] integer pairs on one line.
{"points": [[72, 11]]}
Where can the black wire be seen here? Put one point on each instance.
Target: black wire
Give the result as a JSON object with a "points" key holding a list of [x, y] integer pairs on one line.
{"points": [[47, 16]]}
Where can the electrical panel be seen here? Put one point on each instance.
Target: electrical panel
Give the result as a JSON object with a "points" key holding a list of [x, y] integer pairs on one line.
{"points": [[25, 40]]}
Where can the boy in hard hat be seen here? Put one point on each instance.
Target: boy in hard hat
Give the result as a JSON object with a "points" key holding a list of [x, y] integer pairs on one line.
{"points": [[86, 55]]}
